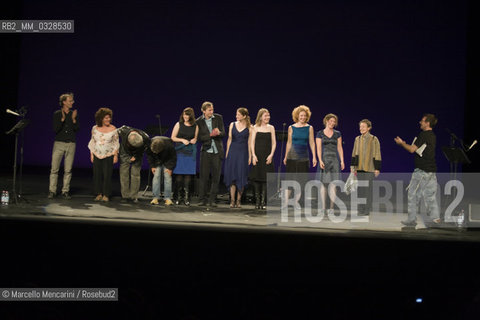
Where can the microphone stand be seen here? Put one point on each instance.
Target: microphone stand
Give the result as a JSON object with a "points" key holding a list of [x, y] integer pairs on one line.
{"points": [[278, 193], [17, 129], [23, 113]]}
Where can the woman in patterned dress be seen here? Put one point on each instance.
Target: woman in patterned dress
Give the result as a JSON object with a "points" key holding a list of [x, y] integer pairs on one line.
{"points": [[330, 157]]}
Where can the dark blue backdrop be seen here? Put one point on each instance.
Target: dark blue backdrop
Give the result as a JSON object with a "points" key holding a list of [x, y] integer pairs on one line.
{"points": [[389, 61]]}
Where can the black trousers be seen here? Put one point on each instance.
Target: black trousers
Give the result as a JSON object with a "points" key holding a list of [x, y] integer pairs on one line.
{"points": [[102, 175], [365, 192], [210, 163]]}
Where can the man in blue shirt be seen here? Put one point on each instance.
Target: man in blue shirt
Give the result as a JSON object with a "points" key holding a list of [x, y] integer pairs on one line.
{"points": [[211, 131]]}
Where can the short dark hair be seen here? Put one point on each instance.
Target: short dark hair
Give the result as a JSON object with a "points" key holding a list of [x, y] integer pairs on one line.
{"points": [[101, 113], [156, 145], [431, 119]]}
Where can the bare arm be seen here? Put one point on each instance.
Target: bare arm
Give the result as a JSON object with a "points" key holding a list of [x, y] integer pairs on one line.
{"points": [[409, 147], [274, 145], [175, 133], [252, 146], [289, 144], [319, 152], [312, 146], [229, 141], [249, 143], [340, 153]]}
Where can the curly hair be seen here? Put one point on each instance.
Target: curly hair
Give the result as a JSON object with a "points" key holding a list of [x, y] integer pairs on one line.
{"points": [[101, 113], [297, 110]]}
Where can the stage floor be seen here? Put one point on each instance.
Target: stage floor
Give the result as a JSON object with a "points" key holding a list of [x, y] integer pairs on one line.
{"points": [[34, 204]]}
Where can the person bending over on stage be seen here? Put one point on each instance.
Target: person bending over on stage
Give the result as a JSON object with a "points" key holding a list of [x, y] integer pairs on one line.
{"points": [[263, 144], [423, 183], [211, 131], [65, 126], [103, 147], [238, 156], [133, 145], [162, 159], [185, 134], [330, 157], [366, 163], [300, 138]]}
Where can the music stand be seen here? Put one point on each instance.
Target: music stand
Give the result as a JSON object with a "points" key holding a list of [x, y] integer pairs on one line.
{"points": [[455, 156], [16, 129]]}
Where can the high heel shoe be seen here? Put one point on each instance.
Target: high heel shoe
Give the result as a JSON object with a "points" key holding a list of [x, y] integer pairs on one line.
{"points": [[232, 204], [238, 204]]}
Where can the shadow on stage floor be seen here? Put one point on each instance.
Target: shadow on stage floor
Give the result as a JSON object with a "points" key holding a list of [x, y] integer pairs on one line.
{"points": [[187, 269]]}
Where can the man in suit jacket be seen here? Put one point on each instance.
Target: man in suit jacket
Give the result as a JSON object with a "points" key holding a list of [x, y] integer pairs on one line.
{"points": [[210, 133]]}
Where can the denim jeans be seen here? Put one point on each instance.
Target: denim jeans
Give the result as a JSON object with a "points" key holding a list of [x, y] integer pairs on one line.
{"points": [[167, 183], [422, 185]]}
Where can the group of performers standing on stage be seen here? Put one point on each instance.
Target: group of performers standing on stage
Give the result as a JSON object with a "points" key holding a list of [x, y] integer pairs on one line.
{"points": [[248, 155]]}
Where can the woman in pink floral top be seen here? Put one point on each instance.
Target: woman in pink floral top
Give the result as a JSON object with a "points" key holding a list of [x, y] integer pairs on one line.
{"points": [[103, 147]]}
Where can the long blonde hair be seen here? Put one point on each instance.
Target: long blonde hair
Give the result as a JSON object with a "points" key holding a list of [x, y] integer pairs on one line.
{"points": [[260, 114]]}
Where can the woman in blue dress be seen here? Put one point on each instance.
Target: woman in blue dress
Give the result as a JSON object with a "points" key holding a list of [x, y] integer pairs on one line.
{"points": [[238, 156], [300, 139], [184, 134], [330, 157]]}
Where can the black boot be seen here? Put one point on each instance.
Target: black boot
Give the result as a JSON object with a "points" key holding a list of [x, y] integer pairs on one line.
{"points": [[263, 201], [179, 196], [257, 200], [187, 197]]}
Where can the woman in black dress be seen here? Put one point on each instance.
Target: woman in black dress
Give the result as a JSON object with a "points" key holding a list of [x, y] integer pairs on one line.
{"points": [[185, 134], [262, 147]]}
